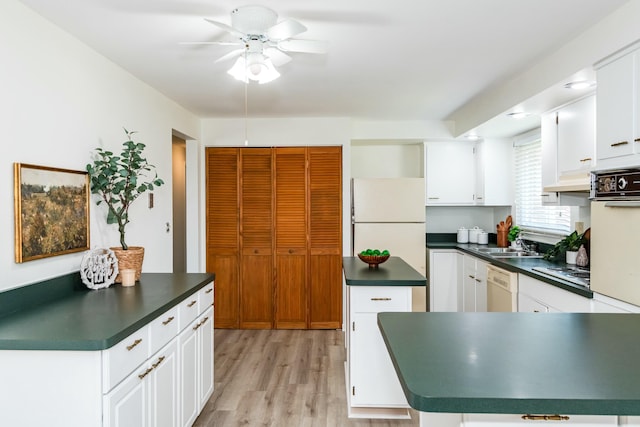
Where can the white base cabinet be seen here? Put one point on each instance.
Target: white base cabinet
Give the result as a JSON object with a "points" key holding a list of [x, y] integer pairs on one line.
{"points": [[147, 397], [444, 268], [373, 387], [138, 382], [474, 284]]}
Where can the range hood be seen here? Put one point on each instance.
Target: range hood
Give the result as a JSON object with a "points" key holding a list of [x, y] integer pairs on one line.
{"points": [[571, 183]]}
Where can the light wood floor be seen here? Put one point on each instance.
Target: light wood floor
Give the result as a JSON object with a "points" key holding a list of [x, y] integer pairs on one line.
{"points": [[281, 378]]}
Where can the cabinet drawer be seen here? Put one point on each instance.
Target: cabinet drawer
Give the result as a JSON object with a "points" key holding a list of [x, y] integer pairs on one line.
{"points": [[374, 299], [124, 357], [189, 310], [206, 297], [507, 420], [162, 330]]}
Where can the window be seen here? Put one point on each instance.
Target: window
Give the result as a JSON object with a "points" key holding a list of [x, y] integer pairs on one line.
{"points": [[531, 215]]}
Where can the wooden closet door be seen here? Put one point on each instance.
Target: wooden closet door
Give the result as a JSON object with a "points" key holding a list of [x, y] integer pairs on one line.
{"points": [[222, 232], [256, 225], [325, 237], [290, 238]]}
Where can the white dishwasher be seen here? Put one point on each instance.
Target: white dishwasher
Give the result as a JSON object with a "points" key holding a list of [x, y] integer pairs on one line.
{"points": [[502, 289]]}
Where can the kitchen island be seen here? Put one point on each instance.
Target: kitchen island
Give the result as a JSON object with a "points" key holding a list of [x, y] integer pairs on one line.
{"points": [[373, 389], [459, 369]]}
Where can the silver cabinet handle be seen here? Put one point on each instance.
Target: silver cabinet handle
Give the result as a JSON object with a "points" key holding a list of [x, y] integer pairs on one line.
{"points": [[622, 204], [381, 299]]}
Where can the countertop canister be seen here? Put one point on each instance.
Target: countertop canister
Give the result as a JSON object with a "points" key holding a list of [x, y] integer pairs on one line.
{"points": [[483, 238], [463, 235], [473, 234]]}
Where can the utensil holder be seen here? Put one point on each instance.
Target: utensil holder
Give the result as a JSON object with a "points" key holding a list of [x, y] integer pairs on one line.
{"points": [[502, 239]]}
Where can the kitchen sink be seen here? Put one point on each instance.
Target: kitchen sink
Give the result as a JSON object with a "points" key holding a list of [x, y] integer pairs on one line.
{"points": [[508, 253]]}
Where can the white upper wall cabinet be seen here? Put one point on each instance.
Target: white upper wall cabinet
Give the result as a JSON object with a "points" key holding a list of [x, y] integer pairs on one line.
{"points": [[450, 173], [577, 136], [469, 173], [618, 110]]}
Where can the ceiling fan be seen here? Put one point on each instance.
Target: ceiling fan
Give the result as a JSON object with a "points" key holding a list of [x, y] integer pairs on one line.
{"points": [[263, 42]]}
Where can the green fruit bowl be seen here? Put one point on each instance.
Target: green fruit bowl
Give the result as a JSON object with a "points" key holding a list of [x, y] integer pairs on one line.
{"points": [[373, 260]]}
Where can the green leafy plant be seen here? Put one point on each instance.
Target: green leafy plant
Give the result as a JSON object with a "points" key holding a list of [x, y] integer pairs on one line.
{"points": [[121, 179], [570, 243], [514, 231]]}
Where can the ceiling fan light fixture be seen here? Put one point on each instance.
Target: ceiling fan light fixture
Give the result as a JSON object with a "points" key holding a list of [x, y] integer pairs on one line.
{"points": [[256, 67]]}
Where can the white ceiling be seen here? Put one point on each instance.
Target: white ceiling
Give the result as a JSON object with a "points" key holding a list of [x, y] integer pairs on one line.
{"points": [[387, 60]]}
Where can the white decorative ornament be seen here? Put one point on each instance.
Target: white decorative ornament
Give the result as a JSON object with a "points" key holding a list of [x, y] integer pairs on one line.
{"points": [[99, 268]]}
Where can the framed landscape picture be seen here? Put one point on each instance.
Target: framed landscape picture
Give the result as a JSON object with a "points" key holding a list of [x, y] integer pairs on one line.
{"points": [[51, 211]]}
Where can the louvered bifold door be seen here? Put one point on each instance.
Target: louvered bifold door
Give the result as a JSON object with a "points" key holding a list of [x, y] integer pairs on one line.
{"points": [[290, 238], [325, 237], [222, 232], [256, 225]]}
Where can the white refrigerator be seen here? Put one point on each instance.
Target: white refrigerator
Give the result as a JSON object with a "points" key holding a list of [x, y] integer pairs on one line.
{"points": [[389, 213]]}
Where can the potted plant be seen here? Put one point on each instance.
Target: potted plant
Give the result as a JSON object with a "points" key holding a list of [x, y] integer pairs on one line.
{"points": [[119, 180], [514, 232], [569, 245]]}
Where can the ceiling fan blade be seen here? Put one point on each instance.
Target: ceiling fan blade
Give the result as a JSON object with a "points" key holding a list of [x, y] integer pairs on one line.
{"points": [[305, 46], [277, 56], [225, 27], [234, 53], [216, 43], [285, 29]]}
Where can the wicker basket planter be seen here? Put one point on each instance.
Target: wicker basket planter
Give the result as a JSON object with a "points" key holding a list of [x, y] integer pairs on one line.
{"points": [[131, 258], [373, 260]]}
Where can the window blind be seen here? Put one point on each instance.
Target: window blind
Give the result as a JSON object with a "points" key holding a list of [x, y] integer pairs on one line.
{"points": [[530, 213]]}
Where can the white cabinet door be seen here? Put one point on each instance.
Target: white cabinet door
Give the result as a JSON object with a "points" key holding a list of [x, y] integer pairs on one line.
{"points": [[375, 381], [444, 280], [474, 284], [188, 344], [196, 367], [526, 304], [205, 341], [615, 109], [127, 404], [494, 174], [163, 387], [576, 136], [443, 186]]}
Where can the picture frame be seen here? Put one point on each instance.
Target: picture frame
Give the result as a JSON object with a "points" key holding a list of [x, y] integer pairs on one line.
{"points": [[51, 210]]}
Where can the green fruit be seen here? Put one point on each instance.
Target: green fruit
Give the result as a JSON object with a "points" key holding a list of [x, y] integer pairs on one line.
{"points": [[369, 252], [376, 252], [385, 252]]}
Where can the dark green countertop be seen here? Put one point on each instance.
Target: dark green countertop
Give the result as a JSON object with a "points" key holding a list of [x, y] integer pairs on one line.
{"points": [[519, 265], [393, 272], [516, 363], [82, 319]]}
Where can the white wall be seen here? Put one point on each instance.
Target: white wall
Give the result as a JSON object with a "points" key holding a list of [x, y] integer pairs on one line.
{"points": [[60, 100]]}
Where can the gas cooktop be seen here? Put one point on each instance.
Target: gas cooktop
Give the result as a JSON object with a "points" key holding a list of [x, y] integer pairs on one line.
{"points": [[578, 275]]}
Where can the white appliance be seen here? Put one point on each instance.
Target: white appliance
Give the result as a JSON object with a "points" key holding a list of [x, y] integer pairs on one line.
{"points": [[389, 213], [502, 289], [615, 232]]}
